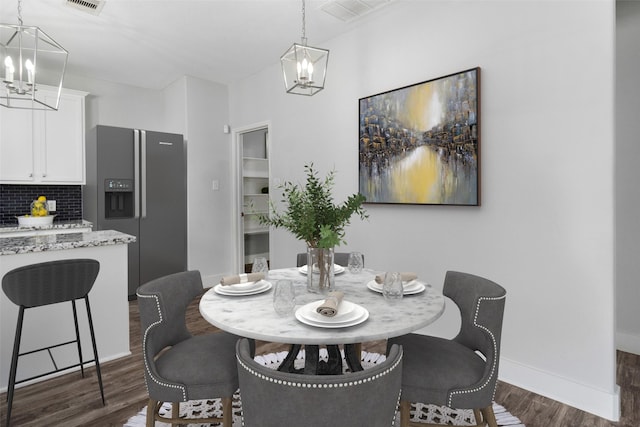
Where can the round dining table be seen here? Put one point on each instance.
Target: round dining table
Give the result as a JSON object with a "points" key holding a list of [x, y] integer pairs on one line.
{"points": [[253, 316]]}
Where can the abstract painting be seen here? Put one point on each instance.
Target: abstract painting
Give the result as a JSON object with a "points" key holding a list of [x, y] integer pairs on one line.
{"points": [[420, 144]]}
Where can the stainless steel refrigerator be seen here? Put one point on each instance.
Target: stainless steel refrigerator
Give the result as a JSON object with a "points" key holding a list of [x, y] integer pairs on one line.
{"points": [[137, 184]]}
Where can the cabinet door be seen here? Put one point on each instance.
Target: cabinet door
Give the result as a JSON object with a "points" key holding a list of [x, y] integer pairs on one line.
{"points": [[16, 145], [62, 158]]}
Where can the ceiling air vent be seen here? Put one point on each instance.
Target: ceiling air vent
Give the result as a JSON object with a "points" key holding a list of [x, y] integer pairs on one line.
{"points": [[93, 7], [348, 10]]}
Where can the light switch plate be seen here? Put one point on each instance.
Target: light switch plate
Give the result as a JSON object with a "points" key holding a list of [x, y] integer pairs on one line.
{"points": [[51, 205]]}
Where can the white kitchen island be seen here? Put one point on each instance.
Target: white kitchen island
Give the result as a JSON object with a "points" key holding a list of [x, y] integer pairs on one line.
{"points": [[53, 324]]}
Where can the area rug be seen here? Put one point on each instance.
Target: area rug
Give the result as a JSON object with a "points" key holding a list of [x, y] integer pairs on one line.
{"points": [[421, 413]]}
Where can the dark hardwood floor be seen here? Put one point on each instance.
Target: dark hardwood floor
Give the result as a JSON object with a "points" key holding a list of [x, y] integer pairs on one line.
{"points": [[70, 400]]}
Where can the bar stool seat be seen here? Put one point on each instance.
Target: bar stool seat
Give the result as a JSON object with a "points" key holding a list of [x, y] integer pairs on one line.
{"points": [[48, 283]]}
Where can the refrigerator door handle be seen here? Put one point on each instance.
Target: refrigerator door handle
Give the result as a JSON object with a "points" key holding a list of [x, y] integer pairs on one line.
{"points": [[136, 173], [143, 174]]}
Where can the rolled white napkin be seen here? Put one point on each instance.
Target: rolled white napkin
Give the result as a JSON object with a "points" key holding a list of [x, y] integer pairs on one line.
{"points": [[241, 278], [330, 305], [405, 277]]}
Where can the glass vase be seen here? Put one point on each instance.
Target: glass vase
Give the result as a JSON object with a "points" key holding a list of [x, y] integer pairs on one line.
{"points": [[320, 270]]}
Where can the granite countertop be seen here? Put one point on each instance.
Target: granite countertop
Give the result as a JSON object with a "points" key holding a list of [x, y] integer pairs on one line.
{"points": [[57, 225], [56, 242]]}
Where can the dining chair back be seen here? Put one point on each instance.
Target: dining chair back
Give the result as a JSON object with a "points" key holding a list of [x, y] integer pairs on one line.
{"points": [[461, 372], [340, 258], [271, 398], [47, 283], [179, 366]]}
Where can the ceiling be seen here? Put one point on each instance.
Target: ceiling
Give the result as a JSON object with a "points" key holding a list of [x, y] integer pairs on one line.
{"points": [[152, 43]]}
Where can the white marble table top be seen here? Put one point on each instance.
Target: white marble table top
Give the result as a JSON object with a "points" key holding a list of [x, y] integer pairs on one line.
{"points": [[253, 316]]}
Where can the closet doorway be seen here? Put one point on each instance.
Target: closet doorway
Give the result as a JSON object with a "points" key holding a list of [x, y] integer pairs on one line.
{"points": [[253, 185]]}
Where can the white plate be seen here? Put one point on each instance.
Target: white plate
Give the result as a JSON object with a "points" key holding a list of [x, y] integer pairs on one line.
{"points": [[347, 311], [411, 288], [337, 269], [362, 315], [256, 288]]}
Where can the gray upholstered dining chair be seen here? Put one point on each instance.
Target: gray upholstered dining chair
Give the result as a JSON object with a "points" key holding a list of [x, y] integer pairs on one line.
{"points": [[451, 373], [340, 258], [271, 398], [178, 366]]}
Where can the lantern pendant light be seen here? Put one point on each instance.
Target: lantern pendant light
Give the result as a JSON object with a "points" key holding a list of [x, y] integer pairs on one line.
{"points": [[28, 59], [304, 68]]}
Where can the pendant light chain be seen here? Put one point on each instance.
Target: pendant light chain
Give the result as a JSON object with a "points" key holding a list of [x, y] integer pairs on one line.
{"points": [[304, 26], [20, 12]]}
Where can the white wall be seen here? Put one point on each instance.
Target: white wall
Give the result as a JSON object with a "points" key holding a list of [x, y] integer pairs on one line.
{"points": [[545, 229], [114, 104], [209, 159], [627, 160]]}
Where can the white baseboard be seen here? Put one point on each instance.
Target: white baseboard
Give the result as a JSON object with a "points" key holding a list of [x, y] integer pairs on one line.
{"points": [[629, 343], [595, 401]]}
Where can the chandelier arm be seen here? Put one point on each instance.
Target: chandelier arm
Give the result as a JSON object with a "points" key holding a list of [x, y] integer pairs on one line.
{"points": [[15, 33]]}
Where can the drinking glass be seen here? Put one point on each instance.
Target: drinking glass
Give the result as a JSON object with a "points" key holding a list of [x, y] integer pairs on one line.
{"points": [[284, 297], [392, 286], [260, 265], [356, 262]]}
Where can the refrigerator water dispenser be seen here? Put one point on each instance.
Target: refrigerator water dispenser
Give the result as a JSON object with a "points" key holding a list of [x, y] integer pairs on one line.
{"points": [[118, 198]]}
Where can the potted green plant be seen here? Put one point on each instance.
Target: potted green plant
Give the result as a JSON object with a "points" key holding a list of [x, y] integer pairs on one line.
{"points": [[312, 216]]}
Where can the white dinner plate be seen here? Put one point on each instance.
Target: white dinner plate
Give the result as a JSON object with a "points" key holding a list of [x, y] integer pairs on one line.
{"points": [[363, 315], [347, 312], [243, 289], [411, 288], [337, 269]]}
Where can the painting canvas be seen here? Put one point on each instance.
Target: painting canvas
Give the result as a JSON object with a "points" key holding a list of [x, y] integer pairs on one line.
{"points": [[420, 144]]}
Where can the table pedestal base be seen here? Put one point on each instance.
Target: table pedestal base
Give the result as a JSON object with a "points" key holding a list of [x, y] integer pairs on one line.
{"points": [[314, 366]]}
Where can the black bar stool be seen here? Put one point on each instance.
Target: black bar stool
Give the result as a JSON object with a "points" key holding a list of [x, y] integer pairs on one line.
{"points": [[50, 283]]}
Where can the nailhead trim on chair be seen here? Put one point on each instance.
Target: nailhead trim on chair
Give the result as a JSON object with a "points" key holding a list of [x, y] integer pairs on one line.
{"points": [[313, 385], [495, 351], [144, 349]]}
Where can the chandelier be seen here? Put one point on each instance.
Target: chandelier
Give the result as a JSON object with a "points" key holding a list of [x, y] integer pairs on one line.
{"points": [[304, 67], [29, 58]]}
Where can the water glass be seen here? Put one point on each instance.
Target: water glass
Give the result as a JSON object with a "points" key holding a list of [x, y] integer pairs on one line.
{"points": [[392, 286], [284, 297], [356, 262], [260, 265]]}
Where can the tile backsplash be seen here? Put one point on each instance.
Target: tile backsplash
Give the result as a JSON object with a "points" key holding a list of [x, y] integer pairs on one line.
{"points": [[15, 200]]}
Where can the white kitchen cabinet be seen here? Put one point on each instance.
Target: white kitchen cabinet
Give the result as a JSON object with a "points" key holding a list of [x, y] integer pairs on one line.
{"points": [[44, 147]]}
